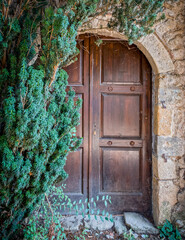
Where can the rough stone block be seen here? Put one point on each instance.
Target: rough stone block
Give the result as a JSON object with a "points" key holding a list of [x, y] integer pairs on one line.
{"points": [[156, 53], [181, 197], [178, 123], [139, 224], [172, 81], [180, 67], [165, 198], [72, 223], [164, 167], [119, 225], [176, 42], [170, 146], [169, 98], [182, 178], [92, 223], [161, 27], [178, 54], [162, 121]]}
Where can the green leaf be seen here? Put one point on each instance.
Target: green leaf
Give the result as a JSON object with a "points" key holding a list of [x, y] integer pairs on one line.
{"points": [[101, 218]]}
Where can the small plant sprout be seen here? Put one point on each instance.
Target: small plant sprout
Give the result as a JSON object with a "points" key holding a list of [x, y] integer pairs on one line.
{"points": [[129, 235]]}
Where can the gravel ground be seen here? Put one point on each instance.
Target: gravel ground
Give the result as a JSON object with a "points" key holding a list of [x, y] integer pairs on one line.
{"points": [[104, 235]]}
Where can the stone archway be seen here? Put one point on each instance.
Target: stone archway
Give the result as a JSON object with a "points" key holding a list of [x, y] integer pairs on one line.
{"points": [[164, 190], [151, 46]]}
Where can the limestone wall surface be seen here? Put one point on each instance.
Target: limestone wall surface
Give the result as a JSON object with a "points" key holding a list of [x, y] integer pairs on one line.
{"points": [[169, 136], [165, 50]]}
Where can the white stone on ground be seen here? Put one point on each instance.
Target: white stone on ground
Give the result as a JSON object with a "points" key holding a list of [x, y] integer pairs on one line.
{"points": [[119, 225], [92, 223], [135, 235], [144, 236], [109, 237], [72, 223], [139, 224]]}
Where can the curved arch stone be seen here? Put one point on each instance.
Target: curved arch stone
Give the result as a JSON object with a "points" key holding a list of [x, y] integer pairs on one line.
{"points": [[156, 53], [150, 45]]}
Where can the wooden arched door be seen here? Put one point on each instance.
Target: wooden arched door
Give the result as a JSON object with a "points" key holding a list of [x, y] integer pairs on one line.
{"points": [[113, 80]]}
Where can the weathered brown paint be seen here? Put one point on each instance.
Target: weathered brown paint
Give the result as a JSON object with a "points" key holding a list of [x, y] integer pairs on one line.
{"points": [[114, 159]]}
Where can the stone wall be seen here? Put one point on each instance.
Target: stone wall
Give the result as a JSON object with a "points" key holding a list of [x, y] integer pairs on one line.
{"points": [[165, 50], [169, 159]]}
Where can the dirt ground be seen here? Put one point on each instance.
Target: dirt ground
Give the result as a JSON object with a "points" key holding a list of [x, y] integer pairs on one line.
{"points": [[104, 235]]}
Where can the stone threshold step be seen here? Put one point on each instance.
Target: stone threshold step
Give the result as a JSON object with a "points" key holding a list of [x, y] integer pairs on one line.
{"points": [[121, 224]]}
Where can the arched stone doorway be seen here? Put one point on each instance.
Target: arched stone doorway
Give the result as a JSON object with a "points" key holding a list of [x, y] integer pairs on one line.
{"points": [[164, 190], [114, 80]]}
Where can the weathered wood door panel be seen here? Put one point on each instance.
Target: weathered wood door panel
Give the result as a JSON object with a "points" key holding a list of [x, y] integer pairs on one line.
{"points": [[114, 82], [77, 162]]}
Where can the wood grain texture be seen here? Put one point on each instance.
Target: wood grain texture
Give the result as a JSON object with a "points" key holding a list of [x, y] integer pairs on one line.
{"points": [[120, 63]]}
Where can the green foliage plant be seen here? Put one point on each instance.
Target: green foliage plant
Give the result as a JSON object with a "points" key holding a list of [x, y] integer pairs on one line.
{"points": [[82, 236], [38, 115], [45, 223], [129, 235], [168, 231], [136, 17]]}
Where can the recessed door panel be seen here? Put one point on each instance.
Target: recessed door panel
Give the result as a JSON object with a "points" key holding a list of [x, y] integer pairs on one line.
{"points": [[120, 115], [76, 69], [74, 167], [120, 63], [120, 170]]}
